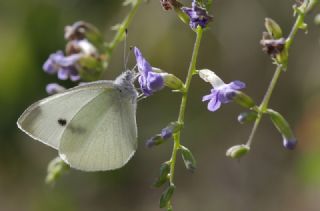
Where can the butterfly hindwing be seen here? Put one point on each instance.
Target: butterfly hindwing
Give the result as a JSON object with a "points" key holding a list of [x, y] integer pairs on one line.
{"points": [[102, 135]]}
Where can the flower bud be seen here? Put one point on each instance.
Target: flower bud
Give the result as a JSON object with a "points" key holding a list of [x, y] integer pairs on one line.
{"points": [[317, 19], [163, 176], [172, 82], [290, 143], [83, 30], [170, 129], [188, 158], [273, 28], [273, 47], [54, 88], [182, 15], [289, 140], [247, 117], [241, 98], [169, 4], [166, 196], [165, 134], [237, 151], [154, 141], [56, 168]]}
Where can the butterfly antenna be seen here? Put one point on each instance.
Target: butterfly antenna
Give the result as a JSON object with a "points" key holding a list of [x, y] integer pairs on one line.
{"points": [[128, 55], [125, 49], [125, 53]]}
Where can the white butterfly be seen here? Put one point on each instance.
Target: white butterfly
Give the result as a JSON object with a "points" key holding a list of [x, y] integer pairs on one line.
{"points": [[93, 126]]}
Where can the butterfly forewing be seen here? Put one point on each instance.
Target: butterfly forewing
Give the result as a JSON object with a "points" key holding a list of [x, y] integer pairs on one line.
{"points": [[47, 119]]}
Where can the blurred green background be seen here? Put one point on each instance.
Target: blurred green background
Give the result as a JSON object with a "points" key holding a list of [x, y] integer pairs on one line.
{"points": [[269, 178]]}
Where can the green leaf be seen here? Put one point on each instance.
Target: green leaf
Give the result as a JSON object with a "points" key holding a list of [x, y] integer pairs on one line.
{"points": [[243, 100], [237, 151], [163, 176], [188, 158], [280, 123], [273, 28], [247, 116], [166, 196]]}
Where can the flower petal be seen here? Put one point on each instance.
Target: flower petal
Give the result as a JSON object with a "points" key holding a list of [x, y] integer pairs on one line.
{"points": [[210, 96], [237, 85], [54, 88], [198, 16], [226, 95], [143, 65], [214, 104], [143, 85], [49, 67], [63, 73], [74, 75], [67, 60], [155, 81], [166, 133], [222, 96]]}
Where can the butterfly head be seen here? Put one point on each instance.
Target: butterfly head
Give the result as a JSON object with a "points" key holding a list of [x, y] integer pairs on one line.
{"points": [[125, 83], [126, 77]]}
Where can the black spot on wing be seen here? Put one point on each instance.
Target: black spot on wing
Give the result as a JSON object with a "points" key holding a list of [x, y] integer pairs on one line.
{"points": [[62, 122]]}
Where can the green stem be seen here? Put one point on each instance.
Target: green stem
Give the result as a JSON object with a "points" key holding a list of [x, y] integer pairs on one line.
{"points": [[294, 30], [176, 137], [265, 102], [312, 4], [124, 25]]}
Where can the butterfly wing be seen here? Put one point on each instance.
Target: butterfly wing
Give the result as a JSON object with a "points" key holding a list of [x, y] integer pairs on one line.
{"points": [[103, 134], [46, 119]]}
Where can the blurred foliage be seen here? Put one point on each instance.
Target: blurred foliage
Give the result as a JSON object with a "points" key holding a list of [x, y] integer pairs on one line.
{"points": [[269, 178]]}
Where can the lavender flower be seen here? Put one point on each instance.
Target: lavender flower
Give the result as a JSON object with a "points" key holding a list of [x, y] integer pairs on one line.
{"points": [[221, 93], [64, 66], [198, 15], [149, 81]]}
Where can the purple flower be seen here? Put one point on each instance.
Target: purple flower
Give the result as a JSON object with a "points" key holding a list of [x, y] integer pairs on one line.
{"points": [[64, 66], [221, 93], [149, 81], [198, 15]]}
